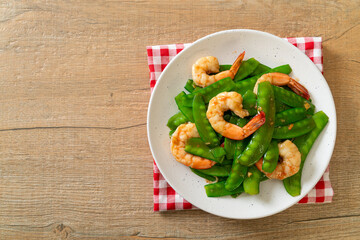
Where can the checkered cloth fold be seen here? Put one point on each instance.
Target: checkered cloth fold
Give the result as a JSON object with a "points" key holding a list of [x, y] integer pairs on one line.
{"points": [[165, 197]]}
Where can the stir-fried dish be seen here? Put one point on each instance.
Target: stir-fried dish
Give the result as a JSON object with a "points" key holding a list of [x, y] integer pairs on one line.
{"points": [[242, 124]]}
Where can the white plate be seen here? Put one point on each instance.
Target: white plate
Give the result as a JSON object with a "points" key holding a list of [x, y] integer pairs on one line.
{"points": [[226, 45]]}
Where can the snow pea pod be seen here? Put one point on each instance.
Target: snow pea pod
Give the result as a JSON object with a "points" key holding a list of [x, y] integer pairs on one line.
{"points": [[261, 68], [290, 116], [239, 148], [189, 86], [246, 68], [249, 83], [241, 145], [203, 175], [229, 147], [209, 92], [218, 189], [264, 178], [227, 116], [279, 106], [260, 139], [249, 102], [187, 111], [235, 195], [286, 69], [218, 171], [252, 181], [171, 132], [229, 144], [294, 129], [304, 143], [227, 161], [292, 99], [206, 132], [218, 152], [175, 120], [224, 67], [271, 157], [197, 146]]}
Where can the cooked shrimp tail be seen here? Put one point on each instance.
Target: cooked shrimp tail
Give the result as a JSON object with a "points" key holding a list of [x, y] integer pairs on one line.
{"points": [[255, 123], [238, 133], [235, 67], [299, 89], [231, 101], [281, 79]]}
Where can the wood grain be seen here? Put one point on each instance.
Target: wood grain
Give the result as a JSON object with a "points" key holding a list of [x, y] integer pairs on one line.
{"points": [[74, 157]]}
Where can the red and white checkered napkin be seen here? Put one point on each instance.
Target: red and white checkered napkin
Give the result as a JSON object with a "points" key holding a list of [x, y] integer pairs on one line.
{"points": [[165, 198]]}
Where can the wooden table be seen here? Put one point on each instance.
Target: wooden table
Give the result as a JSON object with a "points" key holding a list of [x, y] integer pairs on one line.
{"points": [[74, 156]]}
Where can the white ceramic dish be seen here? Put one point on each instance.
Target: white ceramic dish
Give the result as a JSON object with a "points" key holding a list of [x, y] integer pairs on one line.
{"points": [[226, 45]]}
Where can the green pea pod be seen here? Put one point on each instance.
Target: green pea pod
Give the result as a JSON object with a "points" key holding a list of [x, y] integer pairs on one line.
{"points": [[220, 137], [294, 129], [229, 144], [229, 147], [227, 116], [197, 147], [197, 89], [290, 116], [218, 171], [218, 152], [235, 195], [227, 161], [223, 85], [239, 170], [249, 102], [249, 83], [280, 107], [286, 69], [271, 157], [218, 190], [260, 70], [187, 111], [261, 139], [239, 148], [175, 120], [264, 178], [224, 68], [189, 86], [206, 132], [241, 144], [252, 181], [246, 68], [304, 143], [292, 99], [203, 175]]}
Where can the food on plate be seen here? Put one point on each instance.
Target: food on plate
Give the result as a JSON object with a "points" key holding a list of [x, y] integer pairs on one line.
{"points": [[207, 65], [179, 139], [242, 124], [281, 79], [231, 101], [289, 164]]}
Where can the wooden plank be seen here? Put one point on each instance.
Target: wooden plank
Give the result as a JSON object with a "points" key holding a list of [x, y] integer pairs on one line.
{"points": [[75, 162]]}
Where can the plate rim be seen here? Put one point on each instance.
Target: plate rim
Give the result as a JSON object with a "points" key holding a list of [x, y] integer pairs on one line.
{"points": [[187, 49]]}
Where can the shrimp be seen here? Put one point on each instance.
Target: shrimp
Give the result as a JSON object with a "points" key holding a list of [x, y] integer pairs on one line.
{"points": [[290, 164], [281, 79], [206, 65], [231, 101], [178, 141]]}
